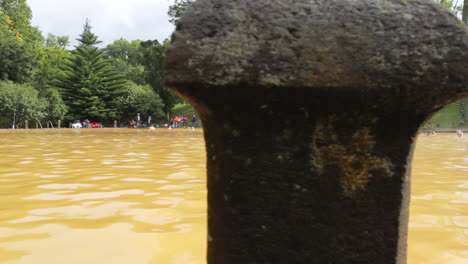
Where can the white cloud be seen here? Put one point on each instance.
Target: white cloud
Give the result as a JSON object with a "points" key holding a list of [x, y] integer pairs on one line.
{"points": [[110, 19]]}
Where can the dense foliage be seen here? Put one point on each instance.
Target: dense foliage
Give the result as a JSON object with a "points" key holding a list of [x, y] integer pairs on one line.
{"points": [[153, 61], [20, 102], [42, 79], [16, 59], [142, 63], [89, 84], [127, 57], [18, 40], [140, 99]]}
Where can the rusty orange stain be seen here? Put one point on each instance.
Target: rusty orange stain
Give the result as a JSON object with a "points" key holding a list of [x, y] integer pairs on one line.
{"points": [[356, 159]]}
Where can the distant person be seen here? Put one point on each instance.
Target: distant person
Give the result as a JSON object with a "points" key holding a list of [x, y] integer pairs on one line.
{"points": [[194, 120], [459, 133], [176, 121], [87, 122], [138, 120]]}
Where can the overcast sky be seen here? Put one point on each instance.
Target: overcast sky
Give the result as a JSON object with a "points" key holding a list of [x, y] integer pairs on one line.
{"points": [[110, 19]]}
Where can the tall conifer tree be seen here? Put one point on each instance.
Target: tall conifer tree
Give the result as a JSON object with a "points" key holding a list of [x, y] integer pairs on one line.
{"points": [[89, 85]]}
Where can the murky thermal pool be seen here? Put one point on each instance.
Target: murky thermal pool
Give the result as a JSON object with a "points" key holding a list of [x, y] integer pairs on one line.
{"points": [[139, 196], [438, 229], [102, 196]]}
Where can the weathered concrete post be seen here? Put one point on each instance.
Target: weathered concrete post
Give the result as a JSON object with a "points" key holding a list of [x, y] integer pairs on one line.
{"points": [[310, 110], [26, 125], [58, 124]]}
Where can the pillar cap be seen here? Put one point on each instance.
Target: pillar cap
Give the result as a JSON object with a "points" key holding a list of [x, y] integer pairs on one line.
{"points": [[346, 45]]}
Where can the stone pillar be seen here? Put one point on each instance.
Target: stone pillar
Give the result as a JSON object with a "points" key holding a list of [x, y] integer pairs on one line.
{"points": [[115, 123], [26, 126], [310, 110], [58, 124]]}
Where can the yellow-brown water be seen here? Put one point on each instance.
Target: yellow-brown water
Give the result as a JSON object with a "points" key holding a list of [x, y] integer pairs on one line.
{"points": [[102, 196], [438, 228], [138, 196]]}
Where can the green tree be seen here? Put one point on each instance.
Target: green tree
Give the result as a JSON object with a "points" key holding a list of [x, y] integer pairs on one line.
{"points": [[57, 41], [134, 73], [49, 64], [90, 85], [50, 59], [18, 39], [127, 57], [124, 50], [54, 107], [19, 14], [51, 40], [153, 60], [20, 102], [63, 41], [16, 59], [140, 99], [177, 9]]}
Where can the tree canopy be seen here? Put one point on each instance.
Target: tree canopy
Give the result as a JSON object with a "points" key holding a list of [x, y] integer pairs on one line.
{"points": [[140, 99], [154, 54], [89, 84], [102, 84], [20, 102], [18, 39], [86, 82]]}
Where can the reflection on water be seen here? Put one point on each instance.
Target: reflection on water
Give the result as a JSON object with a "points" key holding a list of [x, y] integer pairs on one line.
{"points": [[138, 196], [102, 196], [439, 201]]}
